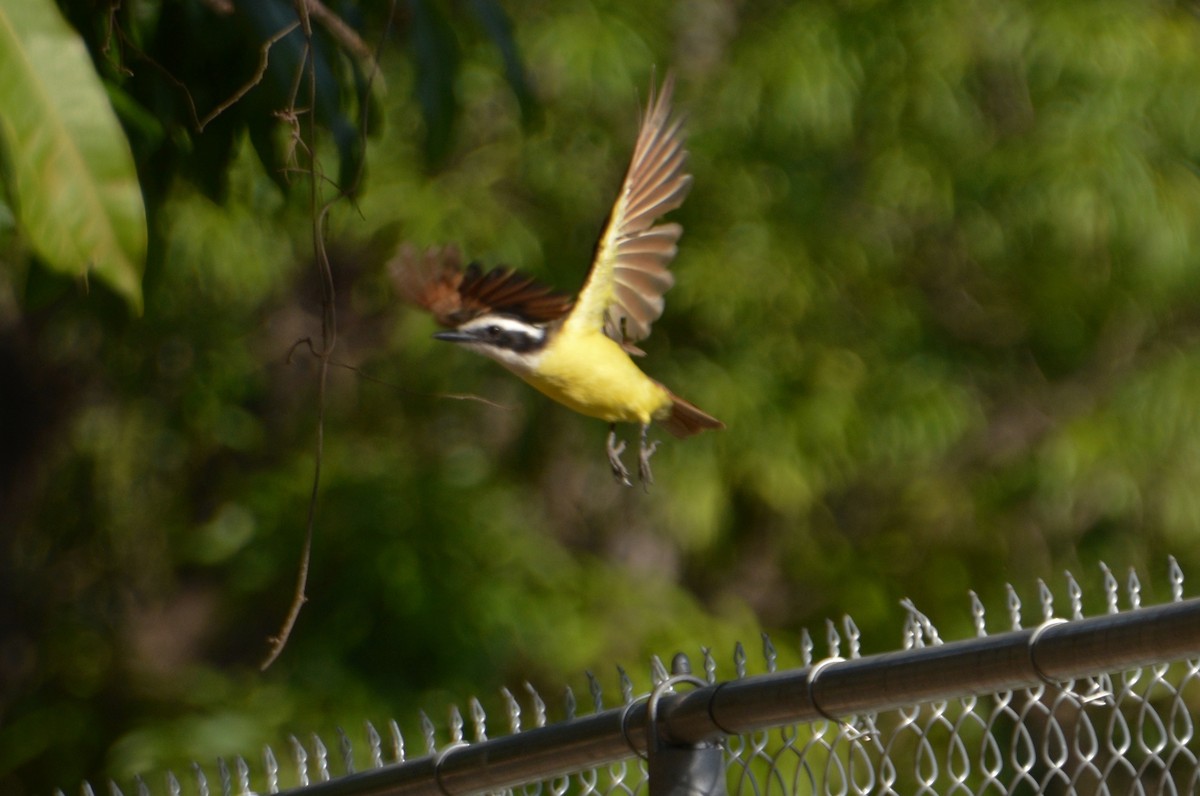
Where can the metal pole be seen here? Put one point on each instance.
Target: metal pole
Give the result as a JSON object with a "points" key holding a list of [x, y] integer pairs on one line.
{"points": [[681, 769]]}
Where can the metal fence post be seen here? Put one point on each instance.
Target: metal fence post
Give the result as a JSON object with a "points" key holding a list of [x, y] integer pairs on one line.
{"points": [[681, 769]]}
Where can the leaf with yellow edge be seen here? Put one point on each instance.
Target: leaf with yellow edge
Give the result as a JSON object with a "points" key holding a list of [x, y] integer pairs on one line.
{"points": [[71, 172]]}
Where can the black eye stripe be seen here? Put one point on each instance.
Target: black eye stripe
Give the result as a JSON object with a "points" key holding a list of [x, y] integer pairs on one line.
{"points": [[519, 341], [508, 334]]}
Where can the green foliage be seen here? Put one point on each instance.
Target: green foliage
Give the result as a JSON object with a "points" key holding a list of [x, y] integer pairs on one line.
{"points": [[69, 168], [938, 276]]}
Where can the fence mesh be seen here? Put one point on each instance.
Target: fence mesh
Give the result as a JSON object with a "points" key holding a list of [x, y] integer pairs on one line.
{"points": [[1121, 732], [1140, 739]]}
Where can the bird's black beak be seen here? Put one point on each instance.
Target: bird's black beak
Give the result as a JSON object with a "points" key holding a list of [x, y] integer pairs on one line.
{"points": [[454, 336]]}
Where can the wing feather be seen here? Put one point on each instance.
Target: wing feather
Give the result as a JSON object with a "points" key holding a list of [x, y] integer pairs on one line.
{"points": [[663, 190], [436, 281], [624, 291]]}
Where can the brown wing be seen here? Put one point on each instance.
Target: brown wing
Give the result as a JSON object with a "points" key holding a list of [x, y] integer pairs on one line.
{"points": [[624, 290], [436, 281]]}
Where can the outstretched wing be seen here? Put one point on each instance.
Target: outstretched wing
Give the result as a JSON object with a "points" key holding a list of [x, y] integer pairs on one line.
{"points": [[436, 281], [624, 290]]}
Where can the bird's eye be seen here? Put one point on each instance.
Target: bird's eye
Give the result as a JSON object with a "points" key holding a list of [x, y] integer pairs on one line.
{"points": [[493, 332]]}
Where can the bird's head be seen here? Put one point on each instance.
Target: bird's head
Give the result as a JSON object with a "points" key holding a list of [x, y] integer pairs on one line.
{"points": [[514, 343]]}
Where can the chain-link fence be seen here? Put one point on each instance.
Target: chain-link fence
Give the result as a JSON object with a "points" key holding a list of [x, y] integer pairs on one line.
{"points": [[1101, 704]]}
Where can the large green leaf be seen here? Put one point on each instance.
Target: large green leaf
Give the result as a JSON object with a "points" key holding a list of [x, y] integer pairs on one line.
{"points": [[71, 170]]}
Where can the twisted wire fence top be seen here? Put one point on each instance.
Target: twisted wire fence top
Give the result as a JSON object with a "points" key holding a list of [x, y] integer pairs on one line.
{"points": [[1054, 702]]}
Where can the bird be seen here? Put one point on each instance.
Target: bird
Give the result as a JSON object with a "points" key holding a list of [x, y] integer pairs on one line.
{"points": [[578, 351]]}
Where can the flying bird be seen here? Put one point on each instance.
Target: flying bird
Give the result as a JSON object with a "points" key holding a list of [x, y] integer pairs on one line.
{"points": [[578, 351]]}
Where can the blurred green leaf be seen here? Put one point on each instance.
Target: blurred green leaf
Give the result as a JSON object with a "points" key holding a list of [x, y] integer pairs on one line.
{"points": [[435, 48], [498, 27], [72, 174]]}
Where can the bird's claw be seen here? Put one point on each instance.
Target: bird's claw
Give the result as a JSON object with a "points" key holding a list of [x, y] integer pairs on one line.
{"points": [[619, 470], [644, 454], [615, 449], [644, 474]]}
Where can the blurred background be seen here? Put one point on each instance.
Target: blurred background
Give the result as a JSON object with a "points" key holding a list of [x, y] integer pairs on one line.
{"points": [[940, 276]]}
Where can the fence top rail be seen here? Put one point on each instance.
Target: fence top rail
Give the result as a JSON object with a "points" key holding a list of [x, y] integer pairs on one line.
{"points": [[1057, 653], [1066, 660]]}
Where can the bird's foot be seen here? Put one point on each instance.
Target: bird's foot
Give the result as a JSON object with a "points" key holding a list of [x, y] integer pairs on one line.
{"points": [[615, 449], [644, 454]]}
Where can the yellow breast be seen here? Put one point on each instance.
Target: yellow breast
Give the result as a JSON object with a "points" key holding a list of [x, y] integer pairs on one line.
{"points": [[593, 375]]}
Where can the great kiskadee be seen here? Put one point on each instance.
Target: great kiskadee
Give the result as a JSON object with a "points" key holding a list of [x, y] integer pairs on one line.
{"points": [[578, 352]]}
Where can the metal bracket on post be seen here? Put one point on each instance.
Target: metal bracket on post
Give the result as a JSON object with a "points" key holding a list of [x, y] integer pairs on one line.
{"points": [[681, 769]]}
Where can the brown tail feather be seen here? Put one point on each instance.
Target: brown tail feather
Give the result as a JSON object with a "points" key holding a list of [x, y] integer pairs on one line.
{"points": [[687, 419]]}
